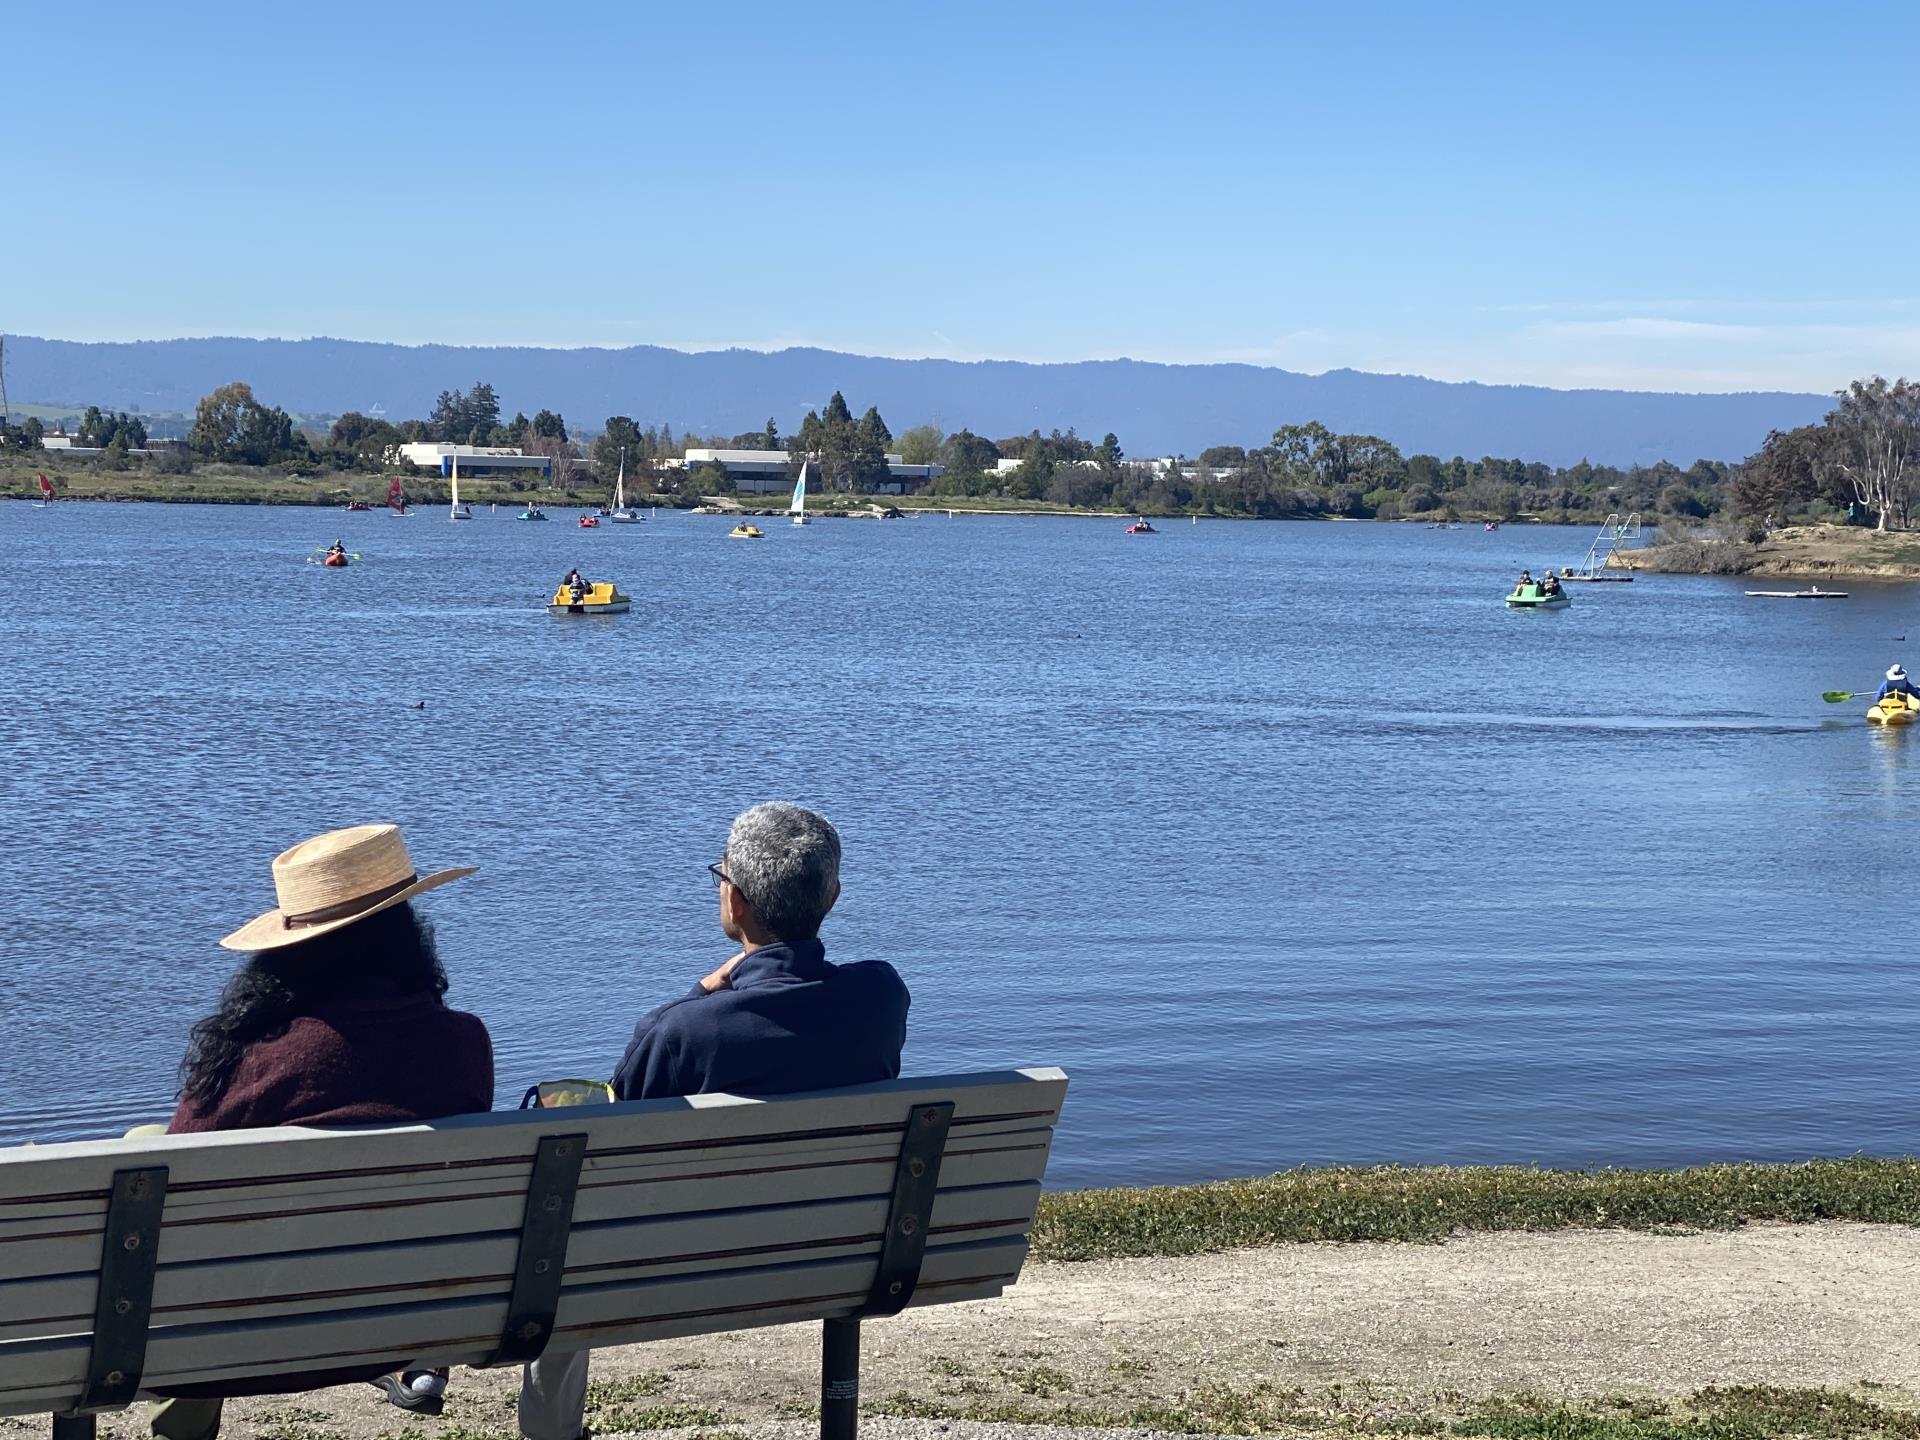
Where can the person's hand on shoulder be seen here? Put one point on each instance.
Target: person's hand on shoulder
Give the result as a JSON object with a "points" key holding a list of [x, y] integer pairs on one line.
{"points": [[723, 977]]}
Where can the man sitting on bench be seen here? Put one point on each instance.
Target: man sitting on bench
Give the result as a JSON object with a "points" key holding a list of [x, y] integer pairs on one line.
{"points": [[775, 1018]]}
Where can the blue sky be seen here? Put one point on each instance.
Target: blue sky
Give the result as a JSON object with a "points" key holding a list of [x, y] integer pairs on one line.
{"points": [[1693, 196]]}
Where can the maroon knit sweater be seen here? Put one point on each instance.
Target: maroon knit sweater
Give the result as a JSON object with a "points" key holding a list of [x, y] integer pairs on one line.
{"points": [[391, 1059]]}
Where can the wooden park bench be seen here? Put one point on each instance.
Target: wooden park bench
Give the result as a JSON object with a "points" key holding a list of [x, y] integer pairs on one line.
{"points": [[134, 1267]]}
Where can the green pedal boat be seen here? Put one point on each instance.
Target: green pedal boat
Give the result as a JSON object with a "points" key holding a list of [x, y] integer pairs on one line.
{"points": [[1533, 597]]}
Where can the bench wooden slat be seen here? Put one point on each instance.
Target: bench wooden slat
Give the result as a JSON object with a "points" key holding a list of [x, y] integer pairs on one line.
{"points": [[25, 1218], [379, 1272], [1006, 1160], [34, 1173], [39, 1375]]}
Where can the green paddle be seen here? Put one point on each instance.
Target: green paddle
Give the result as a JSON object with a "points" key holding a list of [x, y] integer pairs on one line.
{"points": [[1839, 697]]}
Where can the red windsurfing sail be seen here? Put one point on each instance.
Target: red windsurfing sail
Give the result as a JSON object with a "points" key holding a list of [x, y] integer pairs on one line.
{"points": [[46, 487], [396, 497]]}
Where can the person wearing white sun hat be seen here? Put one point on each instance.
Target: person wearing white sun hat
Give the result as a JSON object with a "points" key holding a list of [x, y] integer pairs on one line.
{"points": [[1897, 684], [336, 1017]]}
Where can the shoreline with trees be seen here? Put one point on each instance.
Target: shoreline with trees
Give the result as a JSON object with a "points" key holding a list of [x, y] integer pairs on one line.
{"points": [[240, 450]]}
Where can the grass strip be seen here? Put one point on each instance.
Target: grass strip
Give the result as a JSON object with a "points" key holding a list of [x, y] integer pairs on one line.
{"points": [[1745, 1412], [1390, 1202]]}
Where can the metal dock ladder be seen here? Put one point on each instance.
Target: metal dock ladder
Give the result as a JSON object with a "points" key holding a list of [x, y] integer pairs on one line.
{"points": [[1616, 530]]}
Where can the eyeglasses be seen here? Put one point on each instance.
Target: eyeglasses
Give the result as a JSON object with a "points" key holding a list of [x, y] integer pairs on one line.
{"points": [[720, 877]]}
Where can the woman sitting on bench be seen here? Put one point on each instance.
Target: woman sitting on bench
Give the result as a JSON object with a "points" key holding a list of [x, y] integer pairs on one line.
{"points": [[336, 1017]]}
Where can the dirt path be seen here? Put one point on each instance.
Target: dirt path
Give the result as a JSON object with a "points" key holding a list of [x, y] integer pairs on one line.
{"points": [[1298, 1336]]}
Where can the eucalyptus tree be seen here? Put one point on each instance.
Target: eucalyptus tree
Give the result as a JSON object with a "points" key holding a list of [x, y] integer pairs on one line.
{"points": [[1877, 425]]}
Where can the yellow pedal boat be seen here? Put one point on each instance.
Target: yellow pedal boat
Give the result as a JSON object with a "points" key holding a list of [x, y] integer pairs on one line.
{"points": [[744, 532], [599, 598], [1896, 709]]}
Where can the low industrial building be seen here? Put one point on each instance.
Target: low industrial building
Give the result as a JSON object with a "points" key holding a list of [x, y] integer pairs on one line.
{"points": [[476, 461], [766, 472]]}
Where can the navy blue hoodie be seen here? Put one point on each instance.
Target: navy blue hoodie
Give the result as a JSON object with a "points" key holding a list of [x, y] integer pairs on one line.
{"points": [[787, 1020]]}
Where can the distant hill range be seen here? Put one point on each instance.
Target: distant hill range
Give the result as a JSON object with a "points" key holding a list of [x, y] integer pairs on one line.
{"points": [[1154, 409]]}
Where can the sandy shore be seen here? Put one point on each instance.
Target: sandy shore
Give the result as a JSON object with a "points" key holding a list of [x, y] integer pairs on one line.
{"points": [[1817, 552], [1295, 1337]]}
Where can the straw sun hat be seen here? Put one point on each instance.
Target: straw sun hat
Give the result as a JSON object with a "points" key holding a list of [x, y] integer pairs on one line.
{"points": [[333, 880]]}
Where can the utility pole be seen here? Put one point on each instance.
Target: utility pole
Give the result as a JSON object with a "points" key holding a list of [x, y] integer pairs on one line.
{"points": [[6, 415]]}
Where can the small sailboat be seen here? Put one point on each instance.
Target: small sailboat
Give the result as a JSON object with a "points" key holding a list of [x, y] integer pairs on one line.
{"points": [[621, 515], [457, 511], [46, 493], [397, 497], [798, 509]]}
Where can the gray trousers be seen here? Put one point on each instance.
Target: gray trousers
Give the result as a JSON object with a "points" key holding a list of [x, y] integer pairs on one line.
{"points": [[185, 1419], [553, 1397]]}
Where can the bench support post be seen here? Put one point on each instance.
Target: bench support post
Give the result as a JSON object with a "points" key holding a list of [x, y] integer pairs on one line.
{"points": [[916, 1181], [839, 1379]]}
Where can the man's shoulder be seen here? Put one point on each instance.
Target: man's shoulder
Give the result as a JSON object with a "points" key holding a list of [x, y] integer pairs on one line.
{"points": [[874, 981], [868, 972]]}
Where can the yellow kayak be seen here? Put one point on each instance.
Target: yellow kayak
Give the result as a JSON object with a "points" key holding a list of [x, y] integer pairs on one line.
{"points": [[1894, 710]]}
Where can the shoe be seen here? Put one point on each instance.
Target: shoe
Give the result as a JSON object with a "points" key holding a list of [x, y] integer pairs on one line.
{"points": [[407, 1398]]}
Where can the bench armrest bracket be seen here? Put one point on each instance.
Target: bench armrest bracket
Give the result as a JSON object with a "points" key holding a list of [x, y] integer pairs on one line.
{"points": [[124, 1305], [542, 1263]]}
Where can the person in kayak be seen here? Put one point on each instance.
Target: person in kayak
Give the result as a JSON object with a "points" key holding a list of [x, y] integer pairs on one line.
{"points": [[1898, 684], [336, 551]]}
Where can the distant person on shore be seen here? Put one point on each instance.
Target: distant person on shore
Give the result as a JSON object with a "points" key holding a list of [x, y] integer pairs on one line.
{"points": [[1898, 684], [774, 1018], [337, 1016]]}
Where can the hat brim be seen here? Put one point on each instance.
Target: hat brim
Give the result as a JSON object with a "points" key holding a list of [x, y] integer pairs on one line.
{"points": [[270, 932]]}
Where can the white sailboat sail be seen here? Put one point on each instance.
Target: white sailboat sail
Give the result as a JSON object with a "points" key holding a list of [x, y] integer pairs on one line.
{"points": [[621, 514], [457, 511], [798, 509]]}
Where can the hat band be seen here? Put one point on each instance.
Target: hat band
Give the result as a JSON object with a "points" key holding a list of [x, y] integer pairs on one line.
{"points": [[345, 907]]}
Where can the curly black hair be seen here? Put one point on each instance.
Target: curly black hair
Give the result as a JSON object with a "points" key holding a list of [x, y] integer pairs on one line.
{"points": [[390, 952]]}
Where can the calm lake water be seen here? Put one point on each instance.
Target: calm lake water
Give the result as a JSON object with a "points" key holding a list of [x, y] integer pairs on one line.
{"points": [[1286, 841]]}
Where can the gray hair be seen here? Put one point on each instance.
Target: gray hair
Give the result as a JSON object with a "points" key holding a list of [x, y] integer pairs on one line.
{"points": [[786, 862]]}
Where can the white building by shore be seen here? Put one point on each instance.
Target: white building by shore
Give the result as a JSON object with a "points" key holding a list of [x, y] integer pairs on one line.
{"points": [[766, 472], [475, 460]]}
